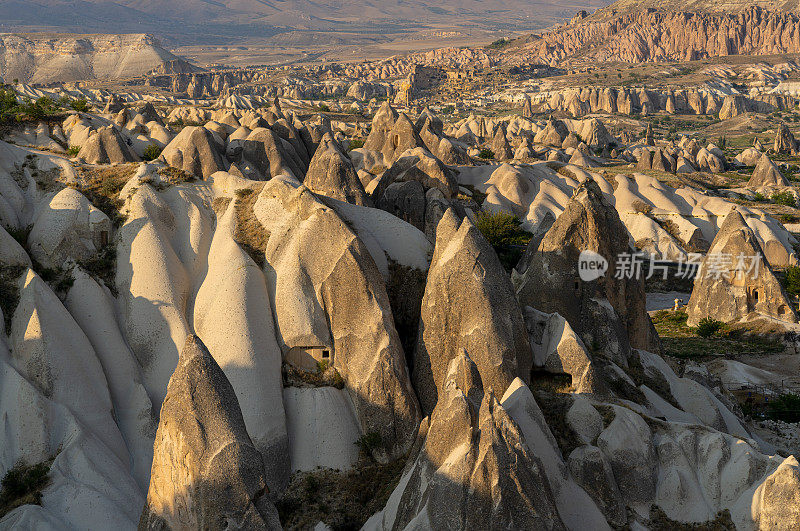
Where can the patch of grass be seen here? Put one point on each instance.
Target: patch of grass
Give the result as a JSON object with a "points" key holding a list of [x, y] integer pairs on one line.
{"points": [[73, 151], [342, 500], [175, 176], [659, 521], [102, 187], [681, 341], [487, 154], [504, 232], [784, 198], [785, 408], [356, 143], [23, 485], [9, 292]]}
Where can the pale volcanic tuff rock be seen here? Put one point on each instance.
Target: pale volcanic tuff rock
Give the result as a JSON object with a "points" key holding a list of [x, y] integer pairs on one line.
{"points": [[161, 256], [749, 157], [345, 308], [418, 165], [382, 124], [474, 470], [558, 349], [637, 36], [68, 227], [729, 292], [767, 173], [401, 138], [500, 146], [627, 100], [331, 173], [206, 472], [49, 58], [244, 342], [106, 146], [269, 155], [549, 281], [785, 142], [195, 151], [468, 305]]}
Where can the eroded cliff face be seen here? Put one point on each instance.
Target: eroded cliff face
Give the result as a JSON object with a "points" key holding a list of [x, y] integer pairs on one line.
{"points": [[650, 35], [48, 58]]}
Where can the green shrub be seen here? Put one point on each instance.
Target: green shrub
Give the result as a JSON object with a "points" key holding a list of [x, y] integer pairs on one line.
{"points": [[759, 197], [707, 327], [324, 108], [786, 408], [784, 198], [504, 232], [486, 154], [369, 442], [152, 152], [73, 151], [793, 280], [356, 143], [22, 485], [80, 105]]}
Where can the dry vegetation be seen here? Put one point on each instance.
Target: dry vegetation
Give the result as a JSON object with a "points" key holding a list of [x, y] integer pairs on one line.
{"points": [[102, 185], [342, 500], [249, 233]]}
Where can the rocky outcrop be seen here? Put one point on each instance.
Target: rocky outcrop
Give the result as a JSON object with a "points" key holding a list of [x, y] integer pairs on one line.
{"points": [[550, 282], [627, 100], [767, 173], [331, 173], [635, 36], [500, 146], [785, 142], [266, 155], [726, 289], [419, 165], [344, 308], [474, 470], [106, 146], [406, 200], [557, 349], [195, 151], [206, 472], [469, 306], [51, 58]]}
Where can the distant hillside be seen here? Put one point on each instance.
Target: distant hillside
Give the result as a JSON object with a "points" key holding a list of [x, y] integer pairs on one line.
{"points": [[49, 58], [206, 21], [698, 6], [624, 33]]}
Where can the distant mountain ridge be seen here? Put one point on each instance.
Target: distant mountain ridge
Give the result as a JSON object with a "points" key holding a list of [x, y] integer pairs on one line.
{"points": [[51, 57], [206, 19]]}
